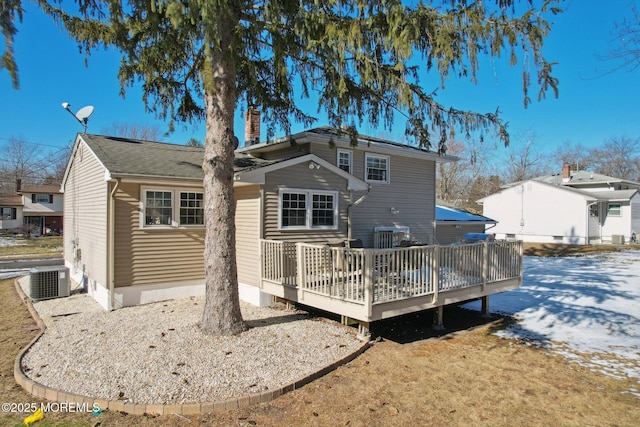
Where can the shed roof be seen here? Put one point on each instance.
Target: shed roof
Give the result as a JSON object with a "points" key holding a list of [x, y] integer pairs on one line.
{"points": [[449, 214]]}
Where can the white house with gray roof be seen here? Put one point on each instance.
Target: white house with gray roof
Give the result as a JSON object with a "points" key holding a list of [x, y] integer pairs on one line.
{"points": [[575, 207]]}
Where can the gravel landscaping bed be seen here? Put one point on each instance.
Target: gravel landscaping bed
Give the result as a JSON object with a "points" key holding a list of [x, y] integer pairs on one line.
{"points": [[156, 353]]}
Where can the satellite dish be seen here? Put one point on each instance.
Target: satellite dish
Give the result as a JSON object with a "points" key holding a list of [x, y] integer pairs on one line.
{"points": [[82, 115]]}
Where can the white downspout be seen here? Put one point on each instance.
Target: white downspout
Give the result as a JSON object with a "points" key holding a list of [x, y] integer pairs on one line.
{"points": [[111, 242]]}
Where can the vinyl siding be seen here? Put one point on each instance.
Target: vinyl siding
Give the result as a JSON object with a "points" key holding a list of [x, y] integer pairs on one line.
{"points": [[301, 177], [287, 152], [248, 233], [85, 219], [145, 256], [538, 212], [411, 190], [635, 214]]}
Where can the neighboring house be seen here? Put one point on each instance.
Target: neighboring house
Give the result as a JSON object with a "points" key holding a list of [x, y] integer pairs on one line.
{"points": [[42, 208], [575, 207], [10, 212], [452, 224]]}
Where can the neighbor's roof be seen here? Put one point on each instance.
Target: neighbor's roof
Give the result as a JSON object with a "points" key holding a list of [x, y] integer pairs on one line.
{"points": [[10, 200], [48, 189], [581, 177], [132, 157], [448, 214], [602, 196]]}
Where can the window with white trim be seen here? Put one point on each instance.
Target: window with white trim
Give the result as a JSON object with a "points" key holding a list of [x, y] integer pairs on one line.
{"points": [[344, 160], [158, 207], [376, 168], [614, 209], [191, 208], [160, 210], [308, 209]]}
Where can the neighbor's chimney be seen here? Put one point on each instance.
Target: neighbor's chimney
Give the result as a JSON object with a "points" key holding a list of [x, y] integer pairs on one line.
{"points": [[566, 173], [252, 127], [18, 185]]}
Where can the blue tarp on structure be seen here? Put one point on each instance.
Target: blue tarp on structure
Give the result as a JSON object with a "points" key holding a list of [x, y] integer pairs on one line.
{"points": [[445, 213]]}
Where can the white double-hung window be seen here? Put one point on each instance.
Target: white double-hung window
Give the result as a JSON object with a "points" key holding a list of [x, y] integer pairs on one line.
{"points": [[376, 168], [344, 160], [308, 209], [172, 208]]}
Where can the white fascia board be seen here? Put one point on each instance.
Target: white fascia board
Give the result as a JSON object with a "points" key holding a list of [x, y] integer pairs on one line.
{"points": [[257, 176]]}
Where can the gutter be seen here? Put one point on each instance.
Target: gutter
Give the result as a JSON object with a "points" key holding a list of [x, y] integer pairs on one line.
{"points": [[111, 242]]}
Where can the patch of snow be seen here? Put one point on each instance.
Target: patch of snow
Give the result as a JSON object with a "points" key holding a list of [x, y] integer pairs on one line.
{"points": [[4, 241], [585, 308]]}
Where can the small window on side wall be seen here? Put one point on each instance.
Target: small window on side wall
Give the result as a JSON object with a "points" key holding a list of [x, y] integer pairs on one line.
{"points": [[614, 209], [376, 168], [344, 161]]}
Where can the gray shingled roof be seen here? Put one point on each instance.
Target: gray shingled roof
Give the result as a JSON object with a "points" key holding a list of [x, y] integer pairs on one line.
{"points": [[124, 156], [582, 177]]}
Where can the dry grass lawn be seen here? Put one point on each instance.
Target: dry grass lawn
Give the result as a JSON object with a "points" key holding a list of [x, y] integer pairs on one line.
{"points": [[49, 246], [466, 377]]}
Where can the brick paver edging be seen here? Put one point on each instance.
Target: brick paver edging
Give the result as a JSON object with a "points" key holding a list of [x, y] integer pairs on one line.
{"points": [[43, 392]]}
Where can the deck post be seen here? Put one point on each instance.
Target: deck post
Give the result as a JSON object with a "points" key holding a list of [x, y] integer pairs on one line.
{"points": [[485, 308], [368, 283], [363, 331], [435, 273], [302, 270], [438, 318], [485, 263]]}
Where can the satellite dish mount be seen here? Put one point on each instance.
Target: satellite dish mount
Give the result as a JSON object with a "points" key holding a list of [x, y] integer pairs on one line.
{"points": [[82, 115]]}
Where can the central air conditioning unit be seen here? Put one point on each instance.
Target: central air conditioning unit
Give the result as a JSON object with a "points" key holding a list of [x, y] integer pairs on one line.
{"points": [[617, 239], [49, 282]]}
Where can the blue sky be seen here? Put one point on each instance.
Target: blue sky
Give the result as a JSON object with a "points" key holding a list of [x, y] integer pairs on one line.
{"points": [[593, 106]]}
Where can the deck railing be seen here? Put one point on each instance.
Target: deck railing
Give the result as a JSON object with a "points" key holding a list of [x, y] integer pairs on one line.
{"points": [[384, 275]]}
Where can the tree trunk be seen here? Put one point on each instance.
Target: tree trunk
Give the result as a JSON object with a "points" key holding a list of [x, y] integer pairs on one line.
{"points": [[222, 314]]}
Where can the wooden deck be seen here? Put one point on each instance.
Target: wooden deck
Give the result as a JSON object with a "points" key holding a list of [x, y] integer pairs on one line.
{"points": [[374, 284]]}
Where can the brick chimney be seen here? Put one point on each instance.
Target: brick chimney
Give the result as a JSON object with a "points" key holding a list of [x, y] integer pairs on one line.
{"points": [[252, 127], [18, 185], [566, 173]]}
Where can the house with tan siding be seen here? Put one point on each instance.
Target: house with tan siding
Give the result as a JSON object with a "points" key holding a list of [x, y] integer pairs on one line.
{"points": [[134, 228]]}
